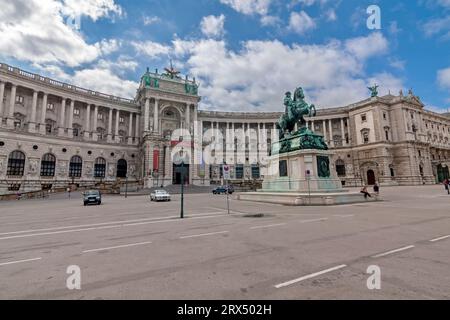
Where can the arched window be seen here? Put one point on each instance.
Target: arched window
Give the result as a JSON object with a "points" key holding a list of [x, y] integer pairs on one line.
{"points": [[340, 168], [48, 165], [75, 167], [16, 164], [122, 168], [100, 168]]}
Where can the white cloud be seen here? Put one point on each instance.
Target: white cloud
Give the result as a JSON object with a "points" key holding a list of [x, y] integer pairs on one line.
{"points": [[151, 49], [256, 77], [103, 80], [249, 7], [213, 26], [151, 20], [36, 31], [107, 47], [366, 47], [301, 22], [444, 78], [95, 9]]}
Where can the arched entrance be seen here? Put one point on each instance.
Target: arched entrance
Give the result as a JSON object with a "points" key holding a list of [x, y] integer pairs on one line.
{"points": [[122, 168], [442, 173], [371, 179]]}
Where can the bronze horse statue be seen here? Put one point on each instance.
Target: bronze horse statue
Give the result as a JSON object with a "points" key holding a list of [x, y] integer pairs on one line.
{"points": [[295, 111]]}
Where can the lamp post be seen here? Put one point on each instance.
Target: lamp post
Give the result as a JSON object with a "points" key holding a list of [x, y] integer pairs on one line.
{"points": [[182, 184], [126, 186]]}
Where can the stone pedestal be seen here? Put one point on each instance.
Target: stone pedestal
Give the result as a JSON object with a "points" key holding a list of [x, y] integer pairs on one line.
{"points": [[303, 178]]}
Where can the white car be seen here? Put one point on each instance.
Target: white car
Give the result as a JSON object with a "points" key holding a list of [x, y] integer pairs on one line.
{"points": [[160, 195]]}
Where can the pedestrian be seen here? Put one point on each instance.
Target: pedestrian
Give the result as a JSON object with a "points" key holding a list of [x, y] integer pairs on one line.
{"points": [[366, 192], [69, 190], [376, 188], [447, 185]]}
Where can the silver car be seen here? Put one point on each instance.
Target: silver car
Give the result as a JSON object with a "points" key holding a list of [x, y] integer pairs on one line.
{"points": [[160, 195]]}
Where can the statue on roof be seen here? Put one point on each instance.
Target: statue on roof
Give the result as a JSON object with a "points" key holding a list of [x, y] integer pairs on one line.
{"points": [[373, 91], [171, 72]]}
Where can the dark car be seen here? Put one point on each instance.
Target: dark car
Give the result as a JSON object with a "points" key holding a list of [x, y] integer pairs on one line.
{"points": [[223, 190], [92, 197]]}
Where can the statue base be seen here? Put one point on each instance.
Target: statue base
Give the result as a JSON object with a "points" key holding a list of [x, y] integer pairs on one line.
{"points": [[302, 178]]}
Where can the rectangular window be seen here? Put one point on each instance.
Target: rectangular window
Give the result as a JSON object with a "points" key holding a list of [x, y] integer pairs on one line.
{"points": [[363, 118], [100, 116], [255, 172], [50, 106], [239, 171], [121, 120], [19, 99], [76, 112], [384, 116], [283, 168]]}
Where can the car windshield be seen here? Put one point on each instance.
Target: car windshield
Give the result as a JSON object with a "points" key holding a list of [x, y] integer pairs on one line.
{"points": [[161, 191], [92, 193]]}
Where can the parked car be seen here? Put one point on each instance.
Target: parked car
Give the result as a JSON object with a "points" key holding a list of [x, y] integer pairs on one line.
{"points": [[223, 190], [160, 195], [92, 197]]}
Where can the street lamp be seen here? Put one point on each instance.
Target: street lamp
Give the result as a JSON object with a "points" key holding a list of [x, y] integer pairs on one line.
{"points": [[126, 186], [182, 184]]}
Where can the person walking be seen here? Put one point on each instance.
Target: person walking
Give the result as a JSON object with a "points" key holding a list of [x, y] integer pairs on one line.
{"points": [[376, 188], [447, 185], [366, 192]]}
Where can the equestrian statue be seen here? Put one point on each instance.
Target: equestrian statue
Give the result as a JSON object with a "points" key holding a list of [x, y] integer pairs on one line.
{"points": [[295, 111]]}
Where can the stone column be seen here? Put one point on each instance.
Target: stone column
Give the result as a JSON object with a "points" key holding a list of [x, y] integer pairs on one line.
{"points": [[12, 103], [330, 125], [344, 142], [110, 116], [130, 129], [62, 119], [43, 114], [32, 123], [94, 126], [324, 125], [312, 126], [136, 133], [146, 116], [116, 128], [156, 116], [70, 124], [87, 122], [188, 117], [2, 93], [349, 132]]}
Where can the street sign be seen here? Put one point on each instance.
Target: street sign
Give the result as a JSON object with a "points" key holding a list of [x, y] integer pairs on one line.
{"points": [[226, 172]]}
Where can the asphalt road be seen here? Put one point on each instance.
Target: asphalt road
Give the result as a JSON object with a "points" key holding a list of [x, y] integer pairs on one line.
{"points": [[134, 249]]}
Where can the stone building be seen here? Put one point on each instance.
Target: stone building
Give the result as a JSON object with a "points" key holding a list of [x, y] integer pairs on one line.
{"points": [[54, 134]]}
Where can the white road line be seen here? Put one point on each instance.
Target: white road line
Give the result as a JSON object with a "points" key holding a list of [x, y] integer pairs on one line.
{"points": [[102, 228], [285, 284], [313, 220], [204, 234], [19, 261], [441, 238], [344, 215], [118, 247], [268, 226], [393, 251], [107, 223]]}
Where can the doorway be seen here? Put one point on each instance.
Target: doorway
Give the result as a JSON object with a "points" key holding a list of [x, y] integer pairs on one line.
{"points": [[180, 171], [371, 179]]}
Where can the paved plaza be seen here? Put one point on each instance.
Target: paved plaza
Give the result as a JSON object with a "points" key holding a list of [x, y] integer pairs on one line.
{"points": [[136, 249]]}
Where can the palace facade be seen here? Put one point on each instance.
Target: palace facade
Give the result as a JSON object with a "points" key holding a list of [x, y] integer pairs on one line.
{"points": [[54, 134]]}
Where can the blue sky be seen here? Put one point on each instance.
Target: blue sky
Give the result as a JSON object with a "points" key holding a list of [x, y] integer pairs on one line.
{"points": [[245, 53]]}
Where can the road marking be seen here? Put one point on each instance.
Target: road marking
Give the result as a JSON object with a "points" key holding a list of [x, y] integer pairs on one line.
{"points": [[204, 234], [268, 226], [109, 223], [344, 215], [313, 275], [19, 261], [392, 251], [441, 238], [105, 227], [118, 247], [313, 220]]}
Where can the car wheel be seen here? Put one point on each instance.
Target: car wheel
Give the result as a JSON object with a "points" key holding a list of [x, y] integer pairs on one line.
{"points": [[85, 204], [99, 203]]}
